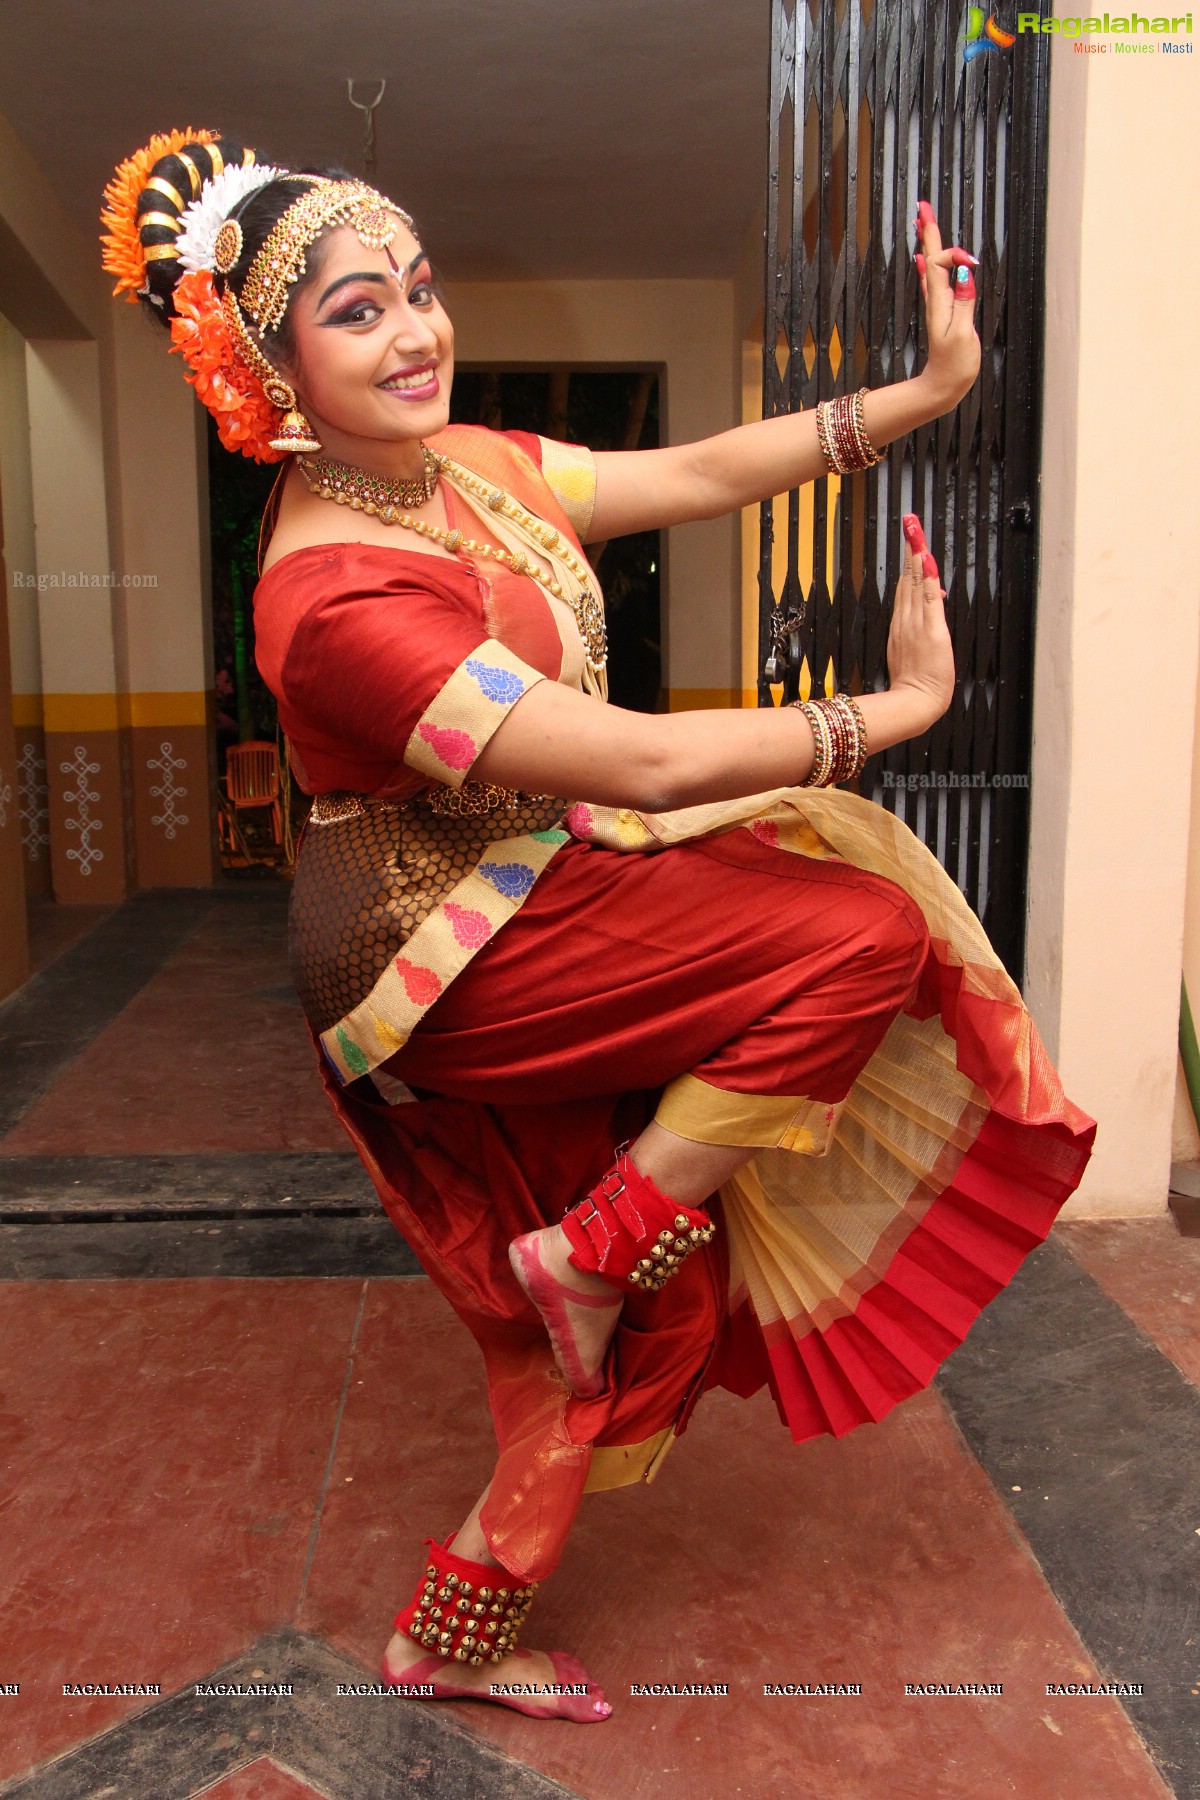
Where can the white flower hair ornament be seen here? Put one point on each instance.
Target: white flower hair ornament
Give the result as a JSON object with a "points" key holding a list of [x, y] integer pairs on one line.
{"points": [[203, 242]]}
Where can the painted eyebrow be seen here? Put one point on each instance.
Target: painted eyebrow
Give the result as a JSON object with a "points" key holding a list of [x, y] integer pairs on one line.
{"points": [[369, 275]]}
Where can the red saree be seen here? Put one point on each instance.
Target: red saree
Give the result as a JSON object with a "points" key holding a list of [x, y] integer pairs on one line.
{"points": [[792, 971]]}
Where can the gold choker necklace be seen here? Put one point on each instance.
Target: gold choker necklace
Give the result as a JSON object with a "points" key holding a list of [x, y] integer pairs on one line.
{"points": [[372, 493], [363, 493]]}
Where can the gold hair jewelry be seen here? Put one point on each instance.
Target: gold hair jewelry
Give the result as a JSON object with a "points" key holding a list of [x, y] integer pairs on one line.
{"points": [[280, 262], [194, 175], [160, 185], [227, 246]]}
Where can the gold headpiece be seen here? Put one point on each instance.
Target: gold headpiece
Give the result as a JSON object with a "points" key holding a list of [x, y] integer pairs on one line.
{"points": [[203, 237], [281, 261], [279, 265]]}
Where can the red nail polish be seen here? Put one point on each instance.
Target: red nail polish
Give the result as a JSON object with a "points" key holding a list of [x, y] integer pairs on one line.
{"points": [[929, 567], [913, 531], [925, 214]]}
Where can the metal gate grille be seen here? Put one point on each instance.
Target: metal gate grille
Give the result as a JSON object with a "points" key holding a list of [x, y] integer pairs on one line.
{"points": [[874, 106]]}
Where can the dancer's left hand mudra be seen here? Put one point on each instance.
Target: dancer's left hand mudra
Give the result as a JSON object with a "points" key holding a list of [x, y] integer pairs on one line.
{"points": [[644, 490], [948, 290]]}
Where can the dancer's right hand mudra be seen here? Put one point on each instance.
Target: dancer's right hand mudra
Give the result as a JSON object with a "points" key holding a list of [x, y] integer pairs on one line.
{"points": [[558, 741]]}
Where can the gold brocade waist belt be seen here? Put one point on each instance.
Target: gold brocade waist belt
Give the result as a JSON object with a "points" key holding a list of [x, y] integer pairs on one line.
{"points": [[474, 799], [370, 873]]}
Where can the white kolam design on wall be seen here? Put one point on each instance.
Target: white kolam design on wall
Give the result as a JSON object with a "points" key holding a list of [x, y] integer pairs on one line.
{"points": [[168, 790], [82, 798], [35, 808]]}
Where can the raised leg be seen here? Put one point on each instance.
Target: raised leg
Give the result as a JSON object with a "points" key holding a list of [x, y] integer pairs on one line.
{"points": [[581, 1309]]}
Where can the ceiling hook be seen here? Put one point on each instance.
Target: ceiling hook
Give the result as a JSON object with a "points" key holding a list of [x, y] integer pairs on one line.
{"points": [[367, 107]]}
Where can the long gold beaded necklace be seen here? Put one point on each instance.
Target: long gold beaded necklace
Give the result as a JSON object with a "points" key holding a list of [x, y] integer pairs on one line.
{"points": [[389, 500]]}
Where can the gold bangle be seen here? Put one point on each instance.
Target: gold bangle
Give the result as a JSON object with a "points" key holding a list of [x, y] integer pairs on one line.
{"points": [[839, 736], [866, 447], [864, 749]]}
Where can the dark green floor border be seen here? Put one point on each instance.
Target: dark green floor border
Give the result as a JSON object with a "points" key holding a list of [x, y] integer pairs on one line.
{"points": [[1091, 1438], [171, 1249], [159, 1218], [177, 1184], [351, 1747]]}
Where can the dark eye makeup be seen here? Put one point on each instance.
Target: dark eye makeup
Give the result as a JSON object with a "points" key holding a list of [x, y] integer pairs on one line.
{"points": [[351, 312]]}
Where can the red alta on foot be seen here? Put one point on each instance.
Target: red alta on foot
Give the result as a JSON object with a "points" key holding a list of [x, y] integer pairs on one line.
{"points": [[582, 1703], [552, 1298], [627, 1231], [471, 1612]]}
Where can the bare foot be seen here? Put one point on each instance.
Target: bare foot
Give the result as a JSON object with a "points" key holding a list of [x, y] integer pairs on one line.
{"points": [[580, 1310], [533, 1675]]}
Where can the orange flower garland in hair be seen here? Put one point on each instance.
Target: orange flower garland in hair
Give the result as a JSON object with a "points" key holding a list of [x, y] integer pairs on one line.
{"points": [[233, 394], [122, 253]]}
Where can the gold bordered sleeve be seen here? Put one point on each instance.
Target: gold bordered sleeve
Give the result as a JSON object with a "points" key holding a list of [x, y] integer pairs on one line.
{"points": [[462, 716], [570, 473], [386, 666]]}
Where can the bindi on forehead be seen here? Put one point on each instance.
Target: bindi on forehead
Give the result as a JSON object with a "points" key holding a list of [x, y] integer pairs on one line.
{"points": [[403, 276]]}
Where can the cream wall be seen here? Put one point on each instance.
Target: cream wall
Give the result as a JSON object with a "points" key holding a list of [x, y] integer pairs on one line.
{"points": [[687, 329], [168, 636], [113, 708], [17, 491], [70, 516], [1118, 629]]}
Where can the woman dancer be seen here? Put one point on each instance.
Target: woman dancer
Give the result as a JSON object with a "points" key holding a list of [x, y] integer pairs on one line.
{"points": [[548, 948]]}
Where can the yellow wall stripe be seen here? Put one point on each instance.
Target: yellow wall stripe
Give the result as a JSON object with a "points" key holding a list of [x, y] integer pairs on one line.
{"points": [[80, 712], [167, 709], [106, 712], [26, 710]]}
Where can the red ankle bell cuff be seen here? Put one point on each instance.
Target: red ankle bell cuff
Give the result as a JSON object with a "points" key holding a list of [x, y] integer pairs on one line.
{"points": [[629, 1232], [466, 1610]]}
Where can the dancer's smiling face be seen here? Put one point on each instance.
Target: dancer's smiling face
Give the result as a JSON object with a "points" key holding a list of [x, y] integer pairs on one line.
{"points": [[373, 346]]}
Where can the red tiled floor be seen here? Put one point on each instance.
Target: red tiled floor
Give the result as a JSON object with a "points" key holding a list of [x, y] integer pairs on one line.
{"points": [[164, 1445], [261, 1780], [882, 1559], [207, 1061], [1147, 1268]]}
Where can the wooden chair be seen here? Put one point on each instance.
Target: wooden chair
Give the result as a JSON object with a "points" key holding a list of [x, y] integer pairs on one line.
{"points": [[252, 780]]}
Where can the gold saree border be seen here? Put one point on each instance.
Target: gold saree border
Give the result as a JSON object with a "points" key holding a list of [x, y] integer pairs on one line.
{"points": [[693, 1108], [471, 704], [620, 1465], [439, 949], [570, 472]]}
